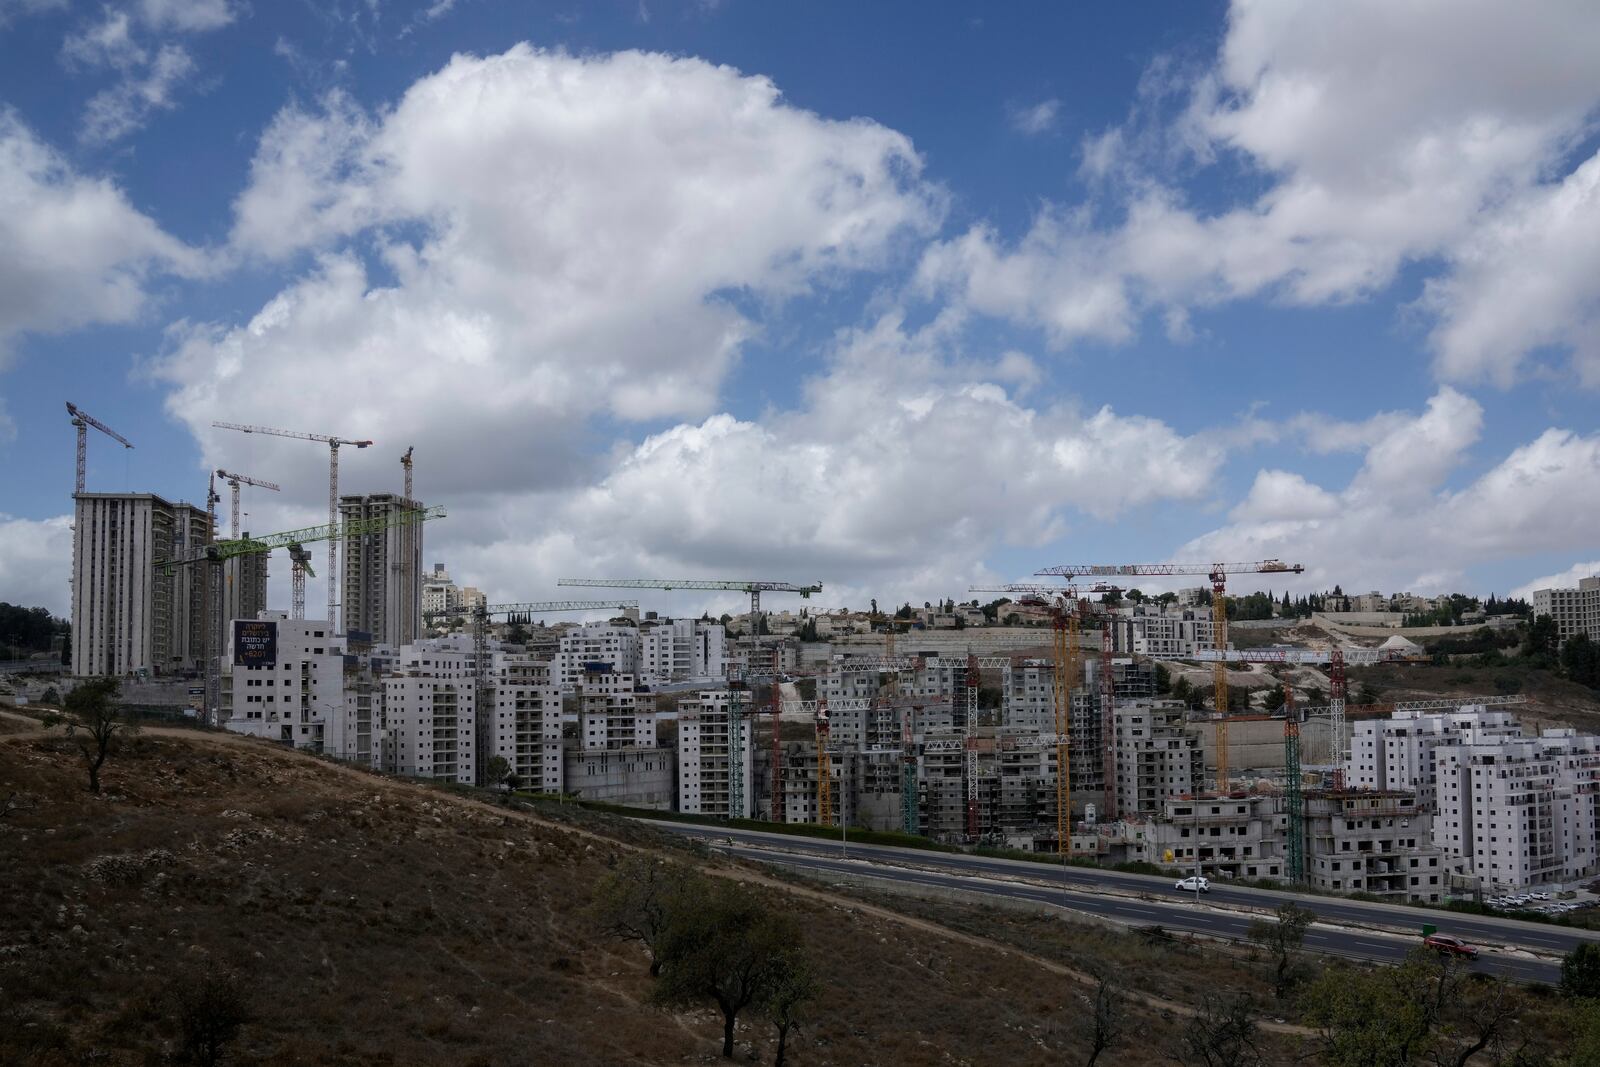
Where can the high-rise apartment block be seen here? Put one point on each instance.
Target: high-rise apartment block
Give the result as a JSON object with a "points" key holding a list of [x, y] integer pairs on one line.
{"points": [[430, 713], [383, 570], [128, 618], [716, 768], [244, 590], [1507, 810], [1575, 611]]}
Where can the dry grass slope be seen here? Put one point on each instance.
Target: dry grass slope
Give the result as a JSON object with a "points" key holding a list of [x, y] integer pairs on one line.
{"points": [[383, 922]]}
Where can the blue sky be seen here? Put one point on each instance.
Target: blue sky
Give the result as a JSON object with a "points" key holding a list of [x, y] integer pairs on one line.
{"points": [[894, 297]]}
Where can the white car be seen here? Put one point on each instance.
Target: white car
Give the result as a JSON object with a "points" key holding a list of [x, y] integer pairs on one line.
{"points": [[1194, 884]]}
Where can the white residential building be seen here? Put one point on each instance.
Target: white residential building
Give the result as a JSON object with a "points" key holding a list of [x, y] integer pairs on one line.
{"points": [[527, 721], [715, 747], [616, 716], [593, 644], [1170, 635], [1520, 812], [1575, 611], [128, 617], [1156, 758], [681, 650], [439, 593], [430, 712], [288, 685], [1397, 752]]}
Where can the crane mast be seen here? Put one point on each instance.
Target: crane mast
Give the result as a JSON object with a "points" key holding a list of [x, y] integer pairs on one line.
{"points": [[300, 566], [333, 444], [1294, 788], [824, 766]]}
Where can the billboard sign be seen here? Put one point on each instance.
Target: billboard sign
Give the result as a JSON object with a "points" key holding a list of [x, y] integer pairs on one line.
{"points": [[255, 643]]}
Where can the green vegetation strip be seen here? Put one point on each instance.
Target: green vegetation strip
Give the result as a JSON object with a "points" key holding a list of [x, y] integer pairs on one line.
{"points": [[865, 837]]}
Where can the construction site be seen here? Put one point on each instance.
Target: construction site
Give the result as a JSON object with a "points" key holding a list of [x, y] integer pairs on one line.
{"points": [[1104, 730]]}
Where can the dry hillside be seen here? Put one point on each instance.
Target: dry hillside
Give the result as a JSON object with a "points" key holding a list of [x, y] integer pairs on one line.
{"points": [[386, 922]]}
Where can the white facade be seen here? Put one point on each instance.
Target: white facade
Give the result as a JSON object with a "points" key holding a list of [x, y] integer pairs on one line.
{"points": [[1506, 809], [1575, 611], [1028, 702], [128, 617], [615, 715], [1397, 752], [439, 593], [382, 570], [595, 643], [300, 699], [527, 721], [430, 712], [681, 650], [1171, 635], [714, 733], [1520, 812]]}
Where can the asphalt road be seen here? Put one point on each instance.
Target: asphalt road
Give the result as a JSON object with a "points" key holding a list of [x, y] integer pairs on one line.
{"points": [[1378, 932]]}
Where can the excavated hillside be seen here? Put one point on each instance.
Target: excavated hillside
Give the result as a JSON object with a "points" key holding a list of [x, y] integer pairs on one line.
{"points": [[377, 921]]}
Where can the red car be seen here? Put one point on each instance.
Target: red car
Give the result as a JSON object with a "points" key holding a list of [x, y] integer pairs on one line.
{"points": [[1451, 946]]}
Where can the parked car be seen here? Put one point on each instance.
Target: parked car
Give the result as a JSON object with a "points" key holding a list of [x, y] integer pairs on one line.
{"points": [[1450, 946], [1194, 884]]}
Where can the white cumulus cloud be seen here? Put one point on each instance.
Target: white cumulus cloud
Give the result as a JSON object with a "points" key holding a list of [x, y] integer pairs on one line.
{"points": [[1398, 525], [1383, 134], [35, 562], [76, 251]]}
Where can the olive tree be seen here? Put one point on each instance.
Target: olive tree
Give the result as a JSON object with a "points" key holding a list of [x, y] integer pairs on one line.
{"points": [[97, 723], [1281, 938], [729, 949], [639, 899]]}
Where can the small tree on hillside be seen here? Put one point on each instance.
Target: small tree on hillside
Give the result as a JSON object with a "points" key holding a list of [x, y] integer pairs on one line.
{"points": [[724, 949], [1282, 938], [1105, 1019], [497, 770], [638, 900], [1221, 1034], [1580, 972], [209, 1006], [790, 985], [97, 724]]}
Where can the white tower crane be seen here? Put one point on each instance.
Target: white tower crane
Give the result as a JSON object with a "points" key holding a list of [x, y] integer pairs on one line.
{"points": [[236, 480], [83, 420], [333, 444]]}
